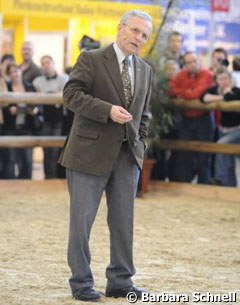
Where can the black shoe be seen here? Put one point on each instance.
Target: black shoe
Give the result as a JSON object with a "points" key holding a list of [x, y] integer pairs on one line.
{"points": [[87, 294], [123, 292], [215, 181]]}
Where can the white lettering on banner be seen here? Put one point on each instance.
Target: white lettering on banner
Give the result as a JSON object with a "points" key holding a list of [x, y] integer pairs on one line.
{"points": [[226, 29], [235, 8], [220, 31]]}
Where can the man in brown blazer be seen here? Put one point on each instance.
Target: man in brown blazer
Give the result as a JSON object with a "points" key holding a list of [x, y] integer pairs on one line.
{"points": [[109, 92]]}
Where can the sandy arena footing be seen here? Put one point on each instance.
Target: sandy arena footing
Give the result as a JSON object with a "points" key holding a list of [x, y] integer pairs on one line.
{"points": [[187, 239]]}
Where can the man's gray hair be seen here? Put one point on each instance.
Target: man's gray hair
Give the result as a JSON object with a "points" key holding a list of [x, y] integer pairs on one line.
{"points": [[137, 13]]}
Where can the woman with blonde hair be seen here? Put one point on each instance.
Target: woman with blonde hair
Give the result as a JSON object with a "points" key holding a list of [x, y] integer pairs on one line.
{"points": [[229, 128]]}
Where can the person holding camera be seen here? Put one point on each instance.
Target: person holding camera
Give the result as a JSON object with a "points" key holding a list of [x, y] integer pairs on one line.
{"points": [[219, 59], [18, 120]]}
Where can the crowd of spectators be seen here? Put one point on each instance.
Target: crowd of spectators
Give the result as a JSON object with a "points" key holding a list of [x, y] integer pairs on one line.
{"points": [[194, 80], [22, 119], [187, 78]]}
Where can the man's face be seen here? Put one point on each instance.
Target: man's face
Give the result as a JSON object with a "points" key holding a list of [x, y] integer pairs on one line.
{"points": [[48, 66], [192, 63], [133, 35], [175, 43], [27, 51]]}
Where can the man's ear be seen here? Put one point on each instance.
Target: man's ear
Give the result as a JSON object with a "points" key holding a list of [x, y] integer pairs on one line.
{"points": [[120, 26]]}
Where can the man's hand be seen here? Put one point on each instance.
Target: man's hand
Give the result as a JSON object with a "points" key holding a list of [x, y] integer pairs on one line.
{"points": [[120, 115]]}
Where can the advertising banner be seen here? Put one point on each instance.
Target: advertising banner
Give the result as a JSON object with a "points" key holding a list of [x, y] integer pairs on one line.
{"points": [[220, 5]]}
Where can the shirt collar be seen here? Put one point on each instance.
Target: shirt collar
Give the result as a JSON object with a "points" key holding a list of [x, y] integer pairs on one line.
{"points": [[120, 55]]}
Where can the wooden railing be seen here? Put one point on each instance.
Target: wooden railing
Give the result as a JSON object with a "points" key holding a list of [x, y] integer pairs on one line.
{"points": [[58, 141], [31, 98], [31, 141], [203, 147], [198, 105], [49, 98], [53, 141]]}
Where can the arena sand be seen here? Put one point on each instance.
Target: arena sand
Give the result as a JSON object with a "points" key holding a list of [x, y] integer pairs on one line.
{"points": [[183, 244]]}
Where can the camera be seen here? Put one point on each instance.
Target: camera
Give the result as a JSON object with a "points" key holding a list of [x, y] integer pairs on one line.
{"points": [[88, 43], [223, 62]]}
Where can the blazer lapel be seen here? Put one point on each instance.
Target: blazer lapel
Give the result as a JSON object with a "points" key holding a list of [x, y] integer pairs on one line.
{"points": [[137, 79], [112, 67]]}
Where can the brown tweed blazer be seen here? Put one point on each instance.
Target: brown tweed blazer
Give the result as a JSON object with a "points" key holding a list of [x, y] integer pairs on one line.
{"points": [[95, 85]]}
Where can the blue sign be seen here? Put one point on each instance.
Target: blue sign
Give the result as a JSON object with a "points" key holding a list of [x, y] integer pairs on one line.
{"points": [[200, 26]]}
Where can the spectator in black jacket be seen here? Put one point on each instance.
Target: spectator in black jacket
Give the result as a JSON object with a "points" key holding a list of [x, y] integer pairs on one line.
{"points": [[229, 129], [18, 120]]}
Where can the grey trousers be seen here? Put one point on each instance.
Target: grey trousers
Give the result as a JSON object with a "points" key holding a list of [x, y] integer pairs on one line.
{"points": [[85, 191]]}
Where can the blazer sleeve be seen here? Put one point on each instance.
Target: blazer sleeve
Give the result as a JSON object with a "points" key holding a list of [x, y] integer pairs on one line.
{"points": [[146, 115], [77, 92]]}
